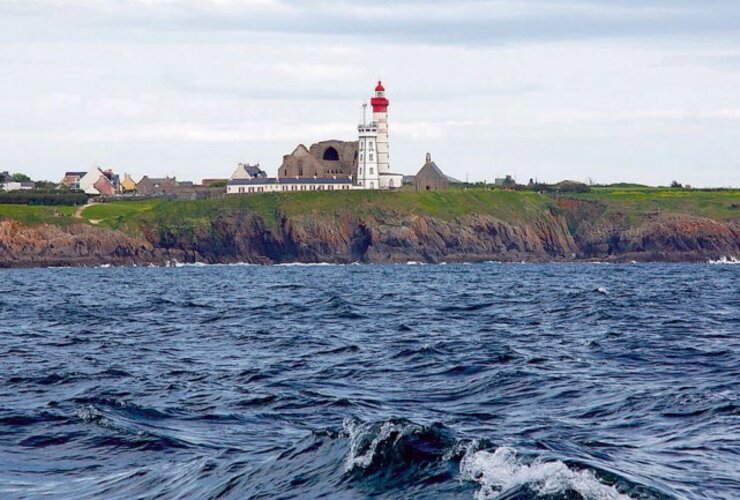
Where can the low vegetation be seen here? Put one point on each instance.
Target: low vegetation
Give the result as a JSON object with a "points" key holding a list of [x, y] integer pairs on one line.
{"points": [[719, 204], [43, 197], [634, 202], [39, 214]]}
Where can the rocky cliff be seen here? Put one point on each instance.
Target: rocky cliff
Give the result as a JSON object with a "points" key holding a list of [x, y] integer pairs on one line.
{"points": [[572, 230], [392, 238], [73, 245]]}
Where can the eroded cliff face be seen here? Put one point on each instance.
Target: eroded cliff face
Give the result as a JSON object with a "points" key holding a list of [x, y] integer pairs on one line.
{"points": [[75, 245], [579, 231], [656, 237], [390, 239]]}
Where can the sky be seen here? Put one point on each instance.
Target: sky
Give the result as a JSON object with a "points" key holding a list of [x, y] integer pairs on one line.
{"points": [[644, 91]]}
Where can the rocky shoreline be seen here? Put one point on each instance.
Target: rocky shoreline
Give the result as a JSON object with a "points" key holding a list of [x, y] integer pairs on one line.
{"points": [[579, 231]]}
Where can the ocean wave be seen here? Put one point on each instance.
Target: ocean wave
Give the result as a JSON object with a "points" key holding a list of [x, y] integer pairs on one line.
{"points": [[390, 452], [724, 260], [501, 474], [309, 264], [207, 264]]}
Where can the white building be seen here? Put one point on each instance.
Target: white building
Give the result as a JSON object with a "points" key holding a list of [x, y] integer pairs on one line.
{"points": [[368, 175], [17, 186], [97, 182], [288, 184], [247, 171]]}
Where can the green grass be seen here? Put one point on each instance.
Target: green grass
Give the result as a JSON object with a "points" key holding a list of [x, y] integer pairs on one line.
{"points": [[39, 214], [640, 202], [117, 215], [635, 202]]}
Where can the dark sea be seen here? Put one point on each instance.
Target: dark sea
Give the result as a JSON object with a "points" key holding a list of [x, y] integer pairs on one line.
{"points": [[512, 381]]}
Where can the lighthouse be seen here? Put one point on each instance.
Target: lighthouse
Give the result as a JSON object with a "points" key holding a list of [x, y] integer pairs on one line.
{"points": [[380, 116], [373, 167]]}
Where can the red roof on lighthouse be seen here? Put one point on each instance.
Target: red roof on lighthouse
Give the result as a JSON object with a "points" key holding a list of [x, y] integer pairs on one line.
{"points": [[379, 104]]}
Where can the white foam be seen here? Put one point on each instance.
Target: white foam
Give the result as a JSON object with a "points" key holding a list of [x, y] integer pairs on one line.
{"points": [[356, 459], [307, 264], [725, 260], [206, 264], [502, 471]]}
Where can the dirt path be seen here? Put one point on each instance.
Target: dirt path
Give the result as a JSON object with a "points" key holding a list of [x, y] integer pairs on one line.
{"points": [[81, 208]]}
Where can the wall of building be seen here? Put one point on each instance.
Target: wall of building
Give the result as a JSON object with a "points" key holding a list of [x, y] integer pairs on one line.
{"points": [[309, 162], [286, 188], [429, 180]]}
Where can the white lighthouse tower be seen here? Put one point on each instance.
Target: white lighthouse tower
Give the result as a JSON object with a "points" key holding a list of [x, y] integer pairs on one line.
{"points": [[368, 175], [374, 169], [380, 116]]}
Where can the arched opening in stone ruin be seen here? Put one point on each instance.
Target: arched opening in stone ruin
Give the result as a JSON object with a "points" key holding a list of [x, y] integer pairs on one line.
{"points": [[331, 154]]}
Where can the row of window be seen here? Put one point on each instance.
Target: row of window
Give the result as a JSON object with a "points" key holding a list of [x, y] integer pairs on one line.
{"points": [[369, 157], [370, 146], [310, 187], [371, 171]]}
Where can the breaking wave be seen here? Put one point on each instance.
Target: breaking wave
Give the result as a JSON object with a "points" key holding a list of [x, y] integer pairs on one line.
{"points": [[726, 260], [399, 452]]}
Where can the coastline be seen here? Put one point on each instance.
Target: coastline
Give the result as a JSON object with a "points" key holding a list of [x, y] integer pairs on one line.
{"points": [[374, 229]]}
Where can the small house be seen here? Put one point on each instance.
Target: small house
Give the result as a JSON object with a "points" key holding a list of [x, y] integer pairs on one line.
{"points": [[128, 184], [153, 186], [99, 182], [247, 171]]}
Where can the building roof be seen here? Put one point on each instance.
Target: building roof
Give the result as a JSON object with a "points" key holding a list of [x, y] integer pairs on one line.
{"points": [[290, 180], [433, 166], [71, 174], [253, 169], [168, 181]]}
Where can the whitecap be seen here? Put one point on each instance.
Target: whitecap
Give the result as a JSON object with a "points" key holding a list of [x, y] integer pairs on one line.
{"points": [[725, 260], [502, 471], [307, 264]]}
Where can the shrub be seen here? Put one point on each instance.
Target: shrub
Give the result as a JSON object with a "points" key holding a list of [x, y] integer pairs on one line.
{"points": [[44, 197]]}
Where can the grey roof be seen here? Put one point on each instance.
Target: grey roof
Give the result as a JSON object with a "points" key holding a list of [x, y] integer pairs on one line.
{"points": [[253, 169], [168, 181], [291, 180]]}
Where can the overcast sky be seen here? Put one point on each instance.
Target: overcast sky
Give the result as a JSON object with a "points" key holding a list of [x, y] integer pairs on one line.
{"points": [[613, 90]]}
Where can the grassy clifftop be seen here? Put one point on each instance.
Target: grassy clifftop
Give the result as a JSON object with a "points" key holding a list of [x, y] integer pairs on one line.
{"points": [[721, 205], [633, 202], [445, 205]]}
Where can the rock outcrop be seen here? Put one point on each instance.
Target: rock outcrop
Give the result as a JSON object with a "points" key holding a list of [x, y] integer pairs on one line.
{"points": [[74, 245], [655, 237], [394, 238]]}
